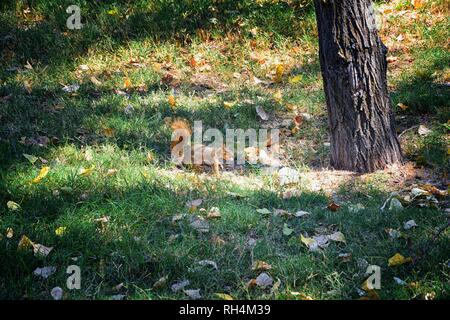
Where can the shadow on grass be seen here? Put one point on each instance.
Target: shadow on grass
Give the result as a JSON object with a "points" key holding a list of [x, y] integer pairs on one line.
{"points": [[141, 243], [114, 23]]}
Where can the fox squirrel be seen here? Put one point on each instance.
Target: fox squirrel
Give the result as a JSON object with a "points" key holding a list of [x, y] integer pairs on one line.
{"points": [[210, 156]]}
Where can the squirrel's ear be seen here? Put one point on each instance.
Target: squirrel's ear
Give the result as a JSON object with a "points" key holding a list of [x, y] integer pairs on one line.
{"points": [[181, 124]]}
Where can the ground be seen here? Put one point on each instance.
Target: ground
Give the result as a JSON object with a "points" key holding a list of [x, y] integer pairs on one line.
{"points": [[114, 204]]}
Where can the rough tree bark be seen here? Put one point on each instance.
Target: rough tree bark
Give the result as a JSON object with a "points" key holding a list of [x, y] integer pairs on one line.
{"points": [[353, 63]]}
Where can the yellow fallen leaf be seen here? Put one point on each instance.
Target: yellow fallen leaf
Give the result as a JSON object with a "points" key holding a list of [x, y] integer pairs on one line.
{"points": [[127, 83], [25, 243], [228, 105], [224, 296], [307, 241], [402, 106], [172, 101], [296, 79], [278, 97], [417, 3], [279, 70], [13, 205], [9, 233], [113, 12], [301, 295], [60, 231], [41, 175], [261, 265], [397, 260], [84, 172]]}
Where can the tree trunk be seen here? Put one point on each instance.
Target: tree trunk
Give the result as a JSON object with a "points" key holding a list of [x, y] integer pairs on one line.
{"points": [[353, 63]]}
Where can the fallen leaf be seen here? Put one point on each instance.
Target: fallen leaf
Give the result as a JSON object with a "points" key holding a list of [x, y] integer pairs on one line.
{"points": [[214, 212], [208, 263], [409, 225], [44, 272], [309, 242], [178, 217], [84, 172], [25, 243], [30, 158], [391, 59], [263, 280], [278, 96], [127, 83], [393, 233], [279, 71], [95, 81], [71, 88], [108, 132], [223, 296], [423, 130], [337, 236], [161, 282], [177, 286], [398, 259], [399, 281], [395, 205], [13, 206], [261, 113], [260, 265], [296, 79], [345, 257], [149, 156], [301, 213], [281, 213], [193, 294], [199, 224], [228, 105], [192, 205], [41, 250], [111, 172], [218, 241], [402, 106], [286, 230], [41, 175], [57, 293], [287, 176], [333, 207], [60, 231], [172, 101], [263, 211], [418, 3], [9, 233]]}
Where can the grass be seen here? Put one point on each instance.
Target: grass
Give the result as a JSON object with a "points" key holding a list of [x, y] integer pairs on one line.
{"points": [[140, 243]]}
